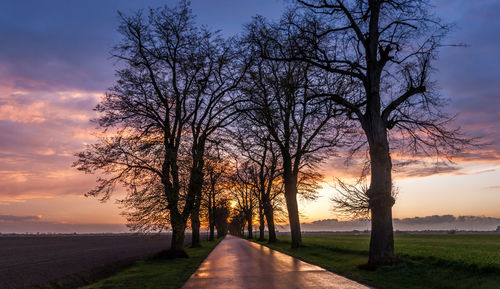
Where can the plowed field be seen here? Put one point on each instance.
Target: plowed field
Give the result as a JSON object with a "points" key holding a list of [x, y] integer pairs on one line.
{"points": [[28, 262]]}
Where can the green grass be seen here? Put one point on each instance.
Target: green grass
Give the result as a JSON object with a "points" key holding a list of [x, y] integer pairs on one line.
{"points": [[158, 273], [430, 261]]}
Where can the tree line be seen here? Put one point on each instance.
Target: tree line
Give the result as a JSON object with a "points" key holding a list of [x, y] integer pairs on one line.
{"points": [[201, 127]]}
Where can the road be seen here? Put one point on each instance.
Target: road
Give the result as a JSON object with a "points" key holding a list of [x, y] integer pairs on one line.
{"points": [[27, 262], [237, 263]]}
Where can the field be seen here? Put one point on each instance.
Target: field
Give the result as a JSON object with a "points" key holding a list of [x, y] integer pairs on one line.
{"points": [[66, 261], [429, 261]]}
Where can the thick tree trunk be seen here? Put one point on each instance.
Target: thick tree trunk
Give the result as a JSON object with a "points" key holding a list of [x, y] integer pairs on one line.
{"points": [[379, 192], [219, 232], [194, 196], [293, 218], [221, 225], [380, 197], [177, 245], [269, 212], [220, 229], [291, 191]]}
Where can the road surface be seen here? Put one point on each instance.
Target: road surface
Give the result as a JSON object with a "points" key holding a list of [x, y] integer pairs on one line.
{"points": [[237, 263]]}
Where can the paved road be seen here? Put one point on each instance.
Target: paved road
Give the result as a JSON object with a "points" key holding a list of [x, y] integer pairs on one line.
{"points": [[238, 263]]}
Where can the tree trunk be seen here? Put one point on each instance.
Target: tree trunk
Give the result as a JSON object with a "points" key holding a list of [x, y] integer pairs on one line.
{"points": [[293, 218], [219, 232], [220, 226], [269, 213], [292, 207], [261, 222], [195, 224], [177, 245], [379, 192], [194, 192], [380, 197], [211, 221], [250, 229]]}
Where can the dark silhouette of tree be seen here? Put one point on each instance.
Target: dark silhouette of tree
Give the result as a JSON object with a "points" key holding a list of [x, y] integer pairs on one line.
{"points": [[384, 49], [237, 224], [282, 99], [173, 93], [222, 212]]}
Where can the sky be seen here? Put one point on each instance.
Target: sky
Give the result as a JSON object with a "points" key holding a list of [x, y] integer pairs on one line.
{"points": [[55, 65]]}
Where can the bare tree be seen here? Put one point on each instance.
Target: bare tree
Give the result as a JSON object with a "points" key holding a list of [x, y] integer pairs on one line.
{"points": [[214, 107], [384, 48], [254, 145], [173, 92], [282, 99]]}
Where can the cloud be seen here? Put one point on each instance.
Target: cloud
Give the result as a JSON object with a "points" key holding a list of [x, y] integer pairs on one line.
{"points": [[469, 76], [53, 46], [36, 226], [421, 168], [403, 167], [12, 218], [41, 132]]}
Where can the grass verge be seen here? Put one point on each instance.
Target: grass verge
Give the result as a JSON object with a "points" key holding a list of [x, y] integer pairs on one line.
{"points": [[157, 272], [430, 261]]}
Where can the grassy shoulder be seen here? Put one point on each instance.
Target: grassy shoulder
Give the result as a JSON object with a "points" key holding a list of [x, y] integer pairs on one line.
{"points": [[430, 261], [158, 273]]}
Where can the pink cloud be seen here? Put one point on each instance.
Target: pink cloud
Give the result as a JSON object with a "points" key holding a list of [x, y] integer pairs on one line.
{"points": [[12, 218], [41, 133]]}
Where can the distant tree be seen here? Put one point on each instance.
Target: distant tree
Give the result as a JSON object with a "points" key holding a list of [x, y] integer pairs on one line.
{"points": [[384, 49], [243, 192], [222, 212], [216, 171], [237, 224]]}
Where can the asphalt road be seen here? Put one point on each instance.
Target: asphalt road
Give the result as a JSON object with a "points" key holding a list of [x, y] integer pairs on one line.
{"points": [[27, 262], [236, 263]]}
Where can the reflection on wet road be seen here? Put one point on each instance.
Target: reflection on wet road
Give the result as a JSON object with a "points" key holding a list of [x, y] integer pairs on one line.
{"points": [[237, 263]]}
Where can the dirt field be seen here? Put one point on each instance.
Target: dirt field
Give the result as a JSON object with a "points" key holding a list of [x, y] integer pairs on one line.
{"points": [[28, 262]]}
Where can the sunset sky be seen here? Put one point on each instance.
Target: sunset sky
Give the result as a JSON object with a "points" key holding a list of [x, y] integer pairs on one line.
{"points": [[55, 65]]}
